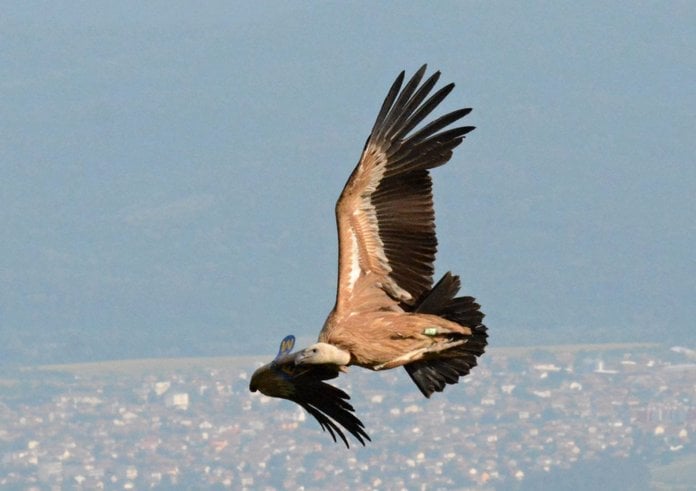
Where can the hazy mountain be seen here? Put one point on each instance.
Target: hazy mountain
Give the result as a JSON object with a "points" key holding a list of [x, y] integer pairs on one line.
{"points": [[168, 175]]}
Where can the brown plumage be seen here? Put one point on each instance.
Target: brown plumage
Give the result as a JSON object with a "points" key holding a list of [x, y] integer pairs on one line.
{"points": [[387, 312]]}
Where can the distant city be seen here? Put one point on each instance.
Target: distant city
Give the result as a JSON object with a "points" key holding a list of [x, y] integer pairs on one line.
{"points": [[549, 418]]}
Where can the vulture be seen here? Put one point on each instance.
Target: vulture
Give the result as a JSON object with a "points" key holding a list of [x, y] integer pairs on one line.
{"points": [[388, 313]]}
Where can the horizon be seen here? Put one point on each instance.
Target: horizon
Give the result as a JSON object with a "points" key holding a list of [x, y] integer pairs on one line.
{"points": [[135, 364]]}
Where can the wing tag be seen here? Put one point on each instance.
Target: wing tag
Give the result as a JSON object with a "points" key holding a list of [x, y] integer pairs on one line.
{"points": [[286, 345]]}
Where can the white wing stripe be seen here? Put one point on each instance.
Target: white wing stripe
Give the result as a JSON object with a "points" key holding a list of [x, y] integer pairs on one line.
{"points": [[354, 261]]}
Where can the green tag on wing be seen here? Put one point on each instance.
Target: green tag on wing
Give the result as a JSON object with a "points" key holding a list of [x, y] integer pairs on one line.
{"points": [[286, 345]]}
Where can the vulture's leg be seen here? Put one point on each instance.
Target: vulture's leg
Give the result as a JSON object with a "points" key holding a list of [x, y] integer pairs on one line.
{"points": [[418, 354]]}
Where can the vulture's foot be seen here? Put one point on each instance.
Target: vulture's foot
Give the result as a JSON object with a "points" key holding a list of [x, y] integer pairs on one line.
{"points": [[419, 354]]}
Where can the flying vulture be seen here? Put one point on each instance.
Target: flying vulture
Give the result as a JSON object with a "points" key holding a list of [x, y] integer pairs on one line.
{"points": [[387, 313]]}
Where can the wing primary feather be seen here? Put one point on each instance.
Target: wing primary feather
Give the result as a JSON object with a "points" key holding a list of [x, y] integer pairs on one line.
{"points": [[438, 124], [404, 123], [388, 101], [330, 413], [438, 144], [433, 154], [427, 107], [403, 100], [329, 406], [325, 423]]}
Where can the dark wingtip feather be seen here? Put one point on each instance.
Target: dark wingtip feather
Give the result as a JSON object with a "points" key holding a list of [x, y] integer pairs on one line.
{"points": [[330, 407], [404, 109], [389, 101]]}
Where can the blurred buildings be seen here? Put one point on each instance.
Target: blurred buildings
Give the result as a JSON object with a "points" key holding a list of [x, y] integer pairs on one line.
{"points": [[518, 414]]}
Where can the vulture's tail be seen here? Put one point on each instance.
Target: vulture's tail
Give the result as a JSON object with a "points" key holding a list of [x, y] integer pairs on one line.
{"points": [[432, 375]]}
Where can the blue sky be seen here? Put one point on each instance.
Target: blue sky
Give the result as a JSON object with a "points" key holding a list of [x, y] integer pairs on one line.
{"points": [[169, 171]]}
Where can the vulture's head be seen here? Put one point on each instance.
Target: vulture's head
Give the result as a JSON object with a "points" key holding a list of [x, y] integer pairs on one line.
{"points": [[322, 354]]}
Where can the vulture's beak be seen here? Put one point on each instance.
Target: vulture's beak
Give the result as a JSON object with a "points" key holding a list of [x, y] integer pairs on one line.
{"points": [[301, 357]]}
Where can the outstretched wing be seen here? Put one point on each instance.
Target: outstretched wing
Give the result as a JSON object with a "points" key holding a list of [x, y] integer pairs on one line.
{"points": [[385, 217], [305, 385]]}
